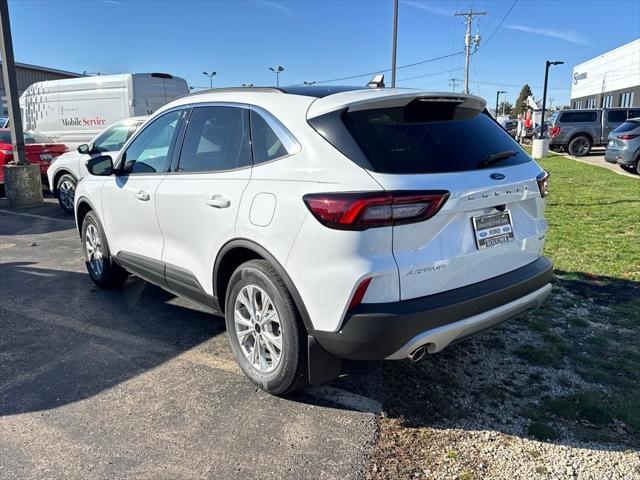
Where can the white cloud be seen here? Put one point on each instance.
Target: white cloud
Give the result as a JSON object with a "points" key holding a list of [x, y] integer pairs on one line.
{"points": [[272, 5], [568, 35], [427, 7]]}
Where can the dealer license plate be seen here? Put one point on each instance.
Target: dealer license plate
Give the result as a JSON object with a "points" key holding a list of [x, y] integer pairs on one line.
{"points": [[493, 229]]}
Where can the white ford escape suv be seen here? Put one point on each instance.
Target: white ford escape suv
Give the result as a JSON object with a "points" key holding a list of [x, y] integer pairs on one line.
{"points": [[325, 223]]}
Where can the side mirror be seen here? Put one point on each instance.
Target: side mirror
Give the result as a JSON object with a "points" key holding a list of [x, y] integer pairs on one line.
{"points": [[84, 148], [101, 166]]}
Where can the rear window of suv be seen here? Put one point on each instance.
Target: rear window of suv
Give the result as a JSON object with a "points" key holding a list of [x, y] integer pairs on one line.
{"points": [[627, 126], [428, 139]]}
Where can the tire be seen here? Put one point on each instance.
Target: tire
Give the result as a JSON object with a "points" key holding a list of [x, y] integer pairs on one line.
{"points": [[2, 192], [101, 267], [253, 283], [66, 189], [579, 146]]}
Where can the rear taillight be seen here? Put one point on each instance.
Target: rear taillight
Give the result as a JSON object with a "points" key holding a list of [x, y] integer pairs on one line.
{"points": [[543, 183], [363, 210], [359, 293], [555, 131], [628, 136]]}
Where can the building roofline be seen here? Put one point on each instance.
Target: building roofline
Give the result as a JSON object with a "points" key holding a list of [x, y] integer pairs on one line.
{"points": [[46, 69]]}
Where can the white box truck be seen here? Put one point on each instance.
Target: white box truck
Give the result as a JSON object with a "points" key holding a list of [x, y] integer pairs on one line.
{"points": [[73, 111]]}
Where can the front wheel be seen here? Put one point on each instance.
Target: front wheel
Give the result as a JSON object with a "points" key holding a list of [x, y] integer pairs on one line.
{"points": [[266, 335], [102, 270], [66, 189]]}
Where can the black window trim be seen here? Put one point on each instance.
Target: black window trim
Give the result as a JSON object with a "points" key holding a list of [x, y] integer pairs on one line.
{"points": [[172, 147]]}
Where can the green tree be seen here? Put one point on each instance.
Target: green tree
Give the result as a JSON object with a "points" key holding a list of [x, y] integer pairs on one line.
{"points": [[521, 102], [505, 108]]}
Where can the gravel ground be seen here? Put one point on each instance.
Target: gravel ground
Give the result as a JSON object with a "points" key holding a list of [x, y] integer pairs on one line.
{"points": [[489, 408]]}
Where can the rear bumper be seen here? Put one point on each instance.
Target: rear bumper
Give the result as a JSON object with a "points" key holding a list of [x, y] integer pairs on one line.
{"points": [[377, 331]]}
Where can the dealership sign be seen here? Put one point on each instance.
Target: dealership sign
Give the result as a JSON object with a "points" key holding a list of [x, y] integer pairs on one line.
{"points": [[579, 76]]}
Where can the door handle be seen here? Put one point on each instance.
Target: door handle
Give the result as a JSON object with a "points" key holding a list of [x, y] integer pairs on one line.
{"points": [[142, 195], [218, 201]]}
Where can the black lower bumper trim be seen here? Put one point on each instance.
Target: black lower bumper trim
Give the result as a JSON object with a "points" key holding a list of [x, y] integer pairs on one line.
{"points": [[376, 330]]}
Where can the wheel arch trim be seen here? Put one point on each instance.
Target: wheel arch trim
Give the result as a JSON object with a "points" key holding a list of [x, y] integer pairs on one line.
{"points": [[264, 253], [80, 201]]}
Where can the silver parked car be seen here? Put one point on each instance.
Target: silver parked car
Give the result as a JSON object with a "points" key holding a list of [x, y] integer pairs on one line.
{"points": [[623, 147]]}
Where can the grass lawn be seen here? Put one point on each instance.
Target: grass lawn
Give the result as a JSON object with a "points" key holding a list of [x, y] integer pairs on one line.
{"points": [[566, 374], [594, 220]]}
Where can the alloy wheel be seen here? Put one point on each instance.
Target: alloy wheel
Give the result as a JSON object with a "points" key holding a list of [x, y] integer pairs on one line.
{"points": [[258, 329], [67, 193], [580, 146], [93, 246]]}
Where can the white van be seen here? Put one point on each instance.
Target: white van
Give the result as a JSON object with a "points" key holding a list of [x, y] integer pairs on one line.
{"points": [[73, 111]]}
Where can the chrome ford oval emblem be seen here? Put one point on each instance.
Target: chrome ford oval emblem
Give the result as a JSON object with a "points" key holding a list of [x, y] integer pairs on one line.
{"points": [[497, 176]]}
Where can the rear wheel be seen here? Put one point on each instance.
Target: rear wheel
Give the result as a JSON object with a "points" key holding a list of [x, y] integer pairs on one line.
{"points": [[102, 270], [264, 328], [66, 189], [579, 146]]}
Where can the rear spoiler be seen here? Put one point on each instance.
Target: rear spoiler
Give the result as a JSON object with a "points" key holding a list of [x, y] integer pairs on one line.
{"points": [[368, 99]]}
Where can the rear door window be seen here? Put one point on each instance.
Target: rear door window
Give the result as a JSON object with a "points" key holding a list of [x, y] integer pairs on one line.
{"points": [[573, 117], [216, 139], [616, 116], [426, 139]]}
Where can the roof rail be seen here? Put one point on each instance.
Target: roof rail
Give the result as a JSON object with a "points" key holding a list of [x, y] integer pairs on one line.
{"points": [[240, 89]]}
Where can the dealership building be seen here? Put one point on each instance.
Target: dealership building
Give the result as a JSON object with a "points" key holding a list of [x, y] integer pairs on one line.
{"points": [[608, 80], [28, 74]]}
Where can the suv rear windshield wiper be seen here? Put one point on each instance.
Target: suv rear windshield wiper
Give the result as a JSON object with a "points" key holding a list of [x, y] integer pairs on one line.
{"points": [[496, 157]]}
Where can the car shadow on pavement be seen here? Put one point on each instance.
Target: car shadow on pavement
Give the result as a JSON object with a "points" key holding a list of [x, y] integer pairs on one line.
{"points": [[568, 373], [64, 340]]}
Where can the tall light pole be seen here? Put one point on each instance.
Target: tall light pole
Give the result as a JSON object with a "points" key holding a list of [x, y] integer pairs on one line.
{"points": [[394, 47], [498, 96], [468, 41], [277, 71], [544, 94], [210, 75]]}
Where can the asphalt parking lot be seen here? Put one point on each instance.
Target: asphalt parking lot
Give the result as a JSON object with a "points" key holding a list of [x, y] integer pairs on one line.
{"points": [[136, 383]]}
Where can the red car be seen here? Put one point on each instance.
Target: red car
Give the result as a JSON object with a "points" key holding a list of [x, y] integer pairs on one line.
{"points": [[38, 149]]}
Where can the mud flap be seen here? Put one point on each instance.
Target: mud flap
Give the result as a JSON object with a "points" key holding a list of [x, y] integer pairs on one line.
{"points": [[322, 367]]}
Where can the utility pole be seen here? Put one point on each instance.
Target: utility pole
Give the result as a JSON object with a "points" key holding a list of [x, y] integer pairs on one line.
{"points": [[394, 47], [497, 97], [453, 83], [23, 186], [468, 41]]}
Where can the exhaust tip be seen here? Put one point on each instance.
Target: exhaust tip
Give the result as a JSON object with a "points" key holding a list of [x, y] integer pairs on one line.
{"points": [[418, 353]]}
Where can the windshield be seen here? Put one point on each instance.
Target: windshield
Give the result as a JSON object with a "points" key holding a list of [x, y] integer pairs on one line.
{"points": [[406, 140]]}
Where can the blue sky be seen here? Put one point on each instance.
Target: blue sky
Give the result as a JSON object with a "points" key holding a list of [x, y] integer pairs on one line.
{"points": [[322, 39]]}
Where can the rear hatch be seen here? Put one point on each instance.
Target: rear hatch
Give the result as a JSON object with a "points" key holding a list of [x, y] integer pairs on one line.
{"points": [[492, 222]]}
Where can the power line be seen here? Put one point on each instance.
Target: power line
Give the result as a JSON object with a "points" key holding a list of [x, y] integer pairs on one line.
{"points": [[433, 74], [501, 21], [422, 62]]}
